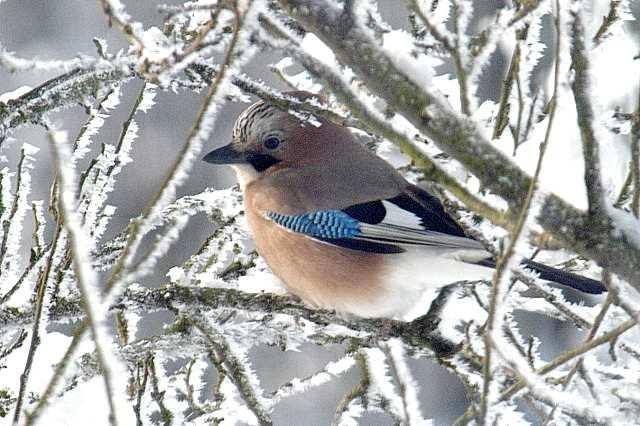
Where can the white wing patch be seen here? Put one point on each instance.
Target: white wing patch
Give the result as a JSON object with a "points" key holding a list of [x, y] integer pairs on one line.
{"points": [[397, 216]]}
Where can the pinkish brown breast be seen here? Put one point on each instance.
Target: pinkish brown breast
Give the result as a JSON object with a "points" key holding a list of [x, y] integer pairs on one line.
{"points": [[323, 275]]}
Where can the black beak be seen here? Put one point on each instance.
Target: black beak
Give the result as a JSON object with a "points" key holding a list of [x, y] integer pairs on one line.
{"points": [[225, 155]]}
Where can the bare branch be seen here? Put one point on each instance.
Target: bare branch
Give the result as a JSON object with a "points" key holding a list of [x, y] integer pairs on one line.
{"points": [[582, 94]]}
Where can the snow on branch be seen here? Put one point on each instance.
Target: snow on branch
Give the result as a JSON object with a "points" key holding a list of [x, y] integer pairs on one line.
{"points": [[112, 369]]}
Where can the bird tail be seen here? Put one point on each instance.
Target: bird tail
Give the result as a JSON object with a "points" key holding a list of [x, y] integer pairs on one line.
{"points": [[583, 284], [549, 273]]}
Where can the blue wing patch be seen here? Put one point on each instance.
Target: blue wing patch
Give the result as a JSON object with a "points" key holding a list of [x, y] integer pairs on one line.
{"points": [[339, 228], [332, 224]]}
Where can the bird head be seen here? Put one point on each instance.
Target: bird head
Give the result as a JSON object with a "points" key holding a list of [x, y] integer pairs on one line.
{"points": [[267, 138]]}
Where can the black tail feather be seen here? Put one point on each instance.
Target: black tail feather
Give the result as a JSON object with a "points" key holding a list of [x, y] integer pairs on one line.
{"points": [[583, 284], [549, 273]]}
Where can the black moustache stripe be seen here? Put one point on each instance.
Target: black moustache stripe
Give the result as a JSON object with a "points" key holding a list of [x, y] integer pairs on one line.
{"points": [[261, 162]]}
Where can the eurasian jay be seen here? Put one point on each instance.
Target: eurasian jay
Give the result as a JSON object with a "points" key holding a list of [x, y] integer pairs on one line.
{"points": [[341, 227]]}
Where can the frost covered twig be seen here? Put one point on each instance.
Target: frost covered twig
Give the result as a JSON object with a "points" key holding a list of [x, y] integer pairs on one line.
{"points": [[12, 219], [351, 405], [509, 259], [451, 43], [581, 92], [176, 174], [236, 371], [60, 92], [559, 361], [38, 323], [604, 338], [138, 228], [607, 21], [417, 333], [279, 99], [86, 277], [13, 63], [116, 14], [408, 388], [33, 346], [634, 164], [328, 372], [33, 416], [156, 394], [564, 310], [579, 363]]}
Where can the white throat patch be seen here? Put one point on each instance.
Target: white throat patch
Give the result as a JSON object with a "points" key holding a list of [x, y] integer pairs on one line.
{"points": [[245, 174]]}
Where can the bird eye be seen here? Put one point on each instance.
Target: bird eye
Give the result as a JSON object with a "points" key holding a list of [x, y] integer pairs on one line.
{"points": [[271, 142]]}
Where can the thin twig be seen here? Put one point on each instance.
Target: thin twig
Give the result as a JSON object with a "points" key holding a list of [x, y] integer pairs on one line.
{"points": [[569, 355], [17, 342], [134, 237], [116, 15], [607, 21], [140, 381], [235, 371], [41, 285], [555, 363], [64, 90], [157, 395], [579, 363], [581, 88], [32, 417], [502, 118], [299, 385], [17, 198], [635, 159], [189, 388], [358, 393], [564, 310], [407, 390], [451, 46], [122, 265], [497, 293], [85, 276], [36, 260]]}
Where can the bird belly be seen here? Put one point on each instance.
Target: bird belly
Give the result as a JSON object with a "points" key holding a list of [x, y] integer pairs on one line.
{"points": [[351, 281]]}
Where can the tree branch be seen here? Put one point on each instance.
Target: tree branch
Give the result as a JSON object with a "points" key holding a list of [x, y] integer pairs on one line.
{"points": [[581, 88], [418, 333], [65, 90]]}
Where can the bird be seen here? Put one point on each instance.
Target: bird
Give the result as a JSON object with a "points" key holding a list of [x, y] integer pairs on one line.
{"points": [[340, 226]]}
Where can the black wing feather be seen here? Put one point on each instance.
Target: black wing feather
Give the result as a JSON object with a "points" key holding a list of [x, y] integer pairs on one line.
{"points": [[362, 245], [372, 212], [415, 200], [429, 209]]}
